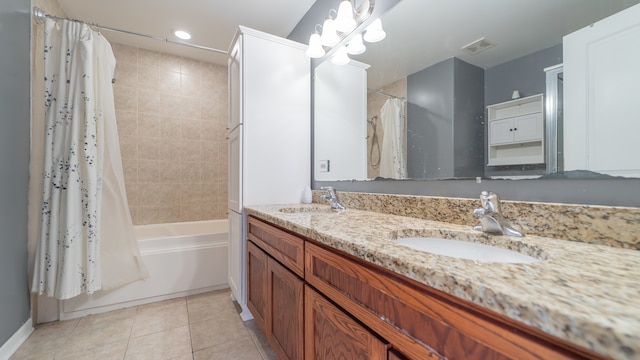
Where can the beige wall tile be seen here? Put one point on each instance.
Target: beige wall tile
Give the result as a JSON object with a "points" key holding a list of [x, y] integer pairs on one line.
{"points": [[148, 171], [125, 97], [170, 105], [190, 85], [127, 122], [170, 172], [171, 150], [191, 129], [170, 82], [209, 151], [127, 74], [150, 125], [128, 147], [169, 195], [148, 215], [149, 58], [172, 125], [170, 62], [169, 214], [148, 78], [190, 150], [149, 102], [190, 172], [132, 193], [170, 128], [190, 107], [125, 53], [193, 67], [149, 148]]}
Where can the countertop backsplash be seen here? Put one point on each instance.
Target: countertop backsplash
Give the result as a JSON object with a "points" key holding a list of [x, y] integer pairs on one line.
{"points": [[603, 225]]}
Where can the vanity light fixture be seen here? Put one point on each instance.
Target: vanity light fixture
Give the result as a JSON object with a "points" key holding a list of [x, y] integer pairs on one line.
{"points": [[345, 22], [335, 30], [329, 35], [181, 34], [315, 49], [340, 57], [356, 46], [374, 32]]}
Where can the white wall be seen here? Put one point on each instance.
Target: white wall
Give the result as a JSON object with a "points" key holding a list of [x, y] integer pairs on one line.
{"points": [[340, 124]]}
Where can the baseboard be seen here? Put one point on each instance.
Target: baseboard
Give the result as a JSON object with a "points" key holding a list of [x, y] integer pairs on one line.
{"points": [[127, 304], [16, 340]]}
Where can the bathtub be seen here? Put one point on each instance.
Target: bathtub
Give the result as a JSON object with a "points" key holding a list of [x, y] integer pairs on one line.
{"points": [[183, 259]]}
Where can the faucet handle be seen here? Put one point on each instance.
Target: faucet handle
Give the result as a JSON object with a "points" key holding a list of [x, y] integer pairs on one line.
{"points": [[330, 190], [490, 201]]}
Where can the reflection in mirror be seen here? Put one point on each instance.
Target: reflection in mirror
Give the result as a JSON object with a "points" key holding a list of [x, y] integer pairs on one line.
{"points": [[458, 89]]}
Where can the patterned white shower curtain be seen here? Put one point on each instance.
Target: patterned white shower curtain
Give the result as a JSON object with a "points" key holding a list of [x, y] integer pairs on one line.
{"points": [[393, 164], [86, 240]]}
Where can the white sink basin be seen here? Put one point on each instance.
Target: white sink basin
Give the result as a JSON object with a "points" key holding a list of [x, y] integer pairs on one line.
{"points": [[466, 250]]}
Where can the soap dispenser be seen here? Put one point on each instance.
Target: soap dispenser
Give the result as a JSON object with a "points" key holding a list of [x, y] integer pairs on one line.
{"points": [[307, 195]]}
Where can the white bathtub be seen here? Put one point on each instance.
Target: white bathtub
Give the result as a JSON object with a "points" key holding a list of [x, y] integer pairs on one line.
{"points": [[182, 258]]}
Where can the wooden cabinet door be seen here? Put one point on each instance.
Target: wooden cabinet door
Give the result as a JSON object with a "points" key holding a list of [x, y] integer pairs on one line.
{"points": [[332, 334], [285, 317], [257, 284]]}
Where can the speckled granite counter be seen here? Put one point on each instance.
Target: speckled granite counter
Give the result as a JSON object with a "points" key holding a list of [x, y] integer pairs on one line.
{"points": [[587, 294]]}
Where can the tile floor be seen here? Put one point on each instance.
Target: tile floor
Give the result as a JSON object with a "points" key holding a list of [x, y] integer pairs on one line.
{"points": [[199, 327]]}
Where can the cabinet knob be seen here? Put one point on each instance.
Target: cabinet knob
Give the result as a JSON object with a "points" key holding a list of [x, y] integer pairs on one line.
{"points": [[515, 129]]}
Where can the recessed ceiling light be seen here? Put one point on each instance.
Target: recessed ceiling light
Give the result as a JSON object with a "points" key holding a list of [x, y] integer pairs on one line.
{"points": [[182, 34]]}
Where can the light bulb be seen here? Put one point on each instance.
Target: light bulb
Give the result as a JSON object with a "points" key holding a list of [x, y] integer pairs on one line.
{"points": [[374, 32], [329, 36], [315, 49], [340, 57], [344, 20], [355, 46]]}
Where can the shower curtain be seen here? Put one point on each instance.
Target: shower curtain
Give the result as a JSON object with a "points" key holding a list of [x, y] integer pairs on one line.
{"points": [[86, 238], [393, 164]]}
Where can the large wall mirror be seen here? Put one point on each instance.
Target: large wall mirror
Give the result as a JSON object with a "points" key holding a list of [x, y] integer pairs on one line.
{"points": [[471, 89]]}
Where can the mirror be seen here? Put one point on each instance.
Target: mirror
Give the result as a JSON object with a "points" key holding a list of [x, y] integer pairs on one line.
{"points": [[447, 102]]}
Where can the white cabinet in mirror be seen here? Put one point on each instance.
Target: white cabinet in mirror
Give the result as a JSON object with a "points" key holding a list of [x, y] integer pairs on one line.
{"points": [[449, 130]]}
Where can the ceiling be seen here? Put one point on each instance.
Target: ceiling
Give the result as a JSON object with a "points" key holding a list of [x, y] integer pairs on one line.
{"points": [[212, 23], [421, 33]]}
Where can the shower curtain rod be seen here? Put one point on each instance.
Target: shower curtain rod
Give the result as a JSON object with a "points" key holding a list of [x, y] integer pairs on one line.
{"points": [[386, 94], [39, 15]]}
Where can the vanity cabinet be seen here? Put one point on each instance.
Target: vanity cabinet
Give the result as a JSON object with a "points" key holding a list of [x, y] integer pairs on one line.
{"points": [[320, 303], [275, 291], [516, 132]]}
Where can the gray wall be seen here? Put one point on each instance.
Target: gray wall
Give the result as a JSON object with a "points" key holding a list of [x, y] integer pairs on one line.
{"points": [[430, 122], [525, 74], [469, 120], [14, 164], [444, 121]]}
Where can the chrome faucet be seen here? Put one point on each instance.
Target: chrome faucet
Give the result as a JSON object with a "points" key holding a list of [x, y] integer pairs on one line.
{"points": [[491, 218], [331, 198]]}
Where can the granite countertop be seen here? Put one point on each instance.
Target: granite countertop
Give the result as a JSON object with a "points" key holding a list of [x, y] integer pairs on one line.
{"points": [[587, 294]]}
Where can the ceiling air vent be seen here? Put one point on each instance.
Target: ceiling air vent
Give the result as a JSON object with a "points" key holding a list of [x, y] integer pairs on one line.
{"points": [[477, 46]]}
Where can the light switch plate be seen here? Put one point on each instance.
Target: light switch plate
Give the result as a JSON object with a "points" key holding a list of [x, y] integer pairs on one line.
{"points": [[324, 166]]}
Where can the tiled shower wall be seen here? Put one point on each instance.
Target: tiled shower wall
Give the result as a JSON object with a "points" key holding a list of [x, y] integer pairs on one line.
{"points": [[172, 115]]}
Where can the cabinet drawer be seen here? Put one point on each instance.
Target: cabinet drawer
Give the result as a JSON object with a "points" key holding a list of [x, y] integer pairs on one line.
{"points": [[282, 246], [333, 334], [434, 323]]}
